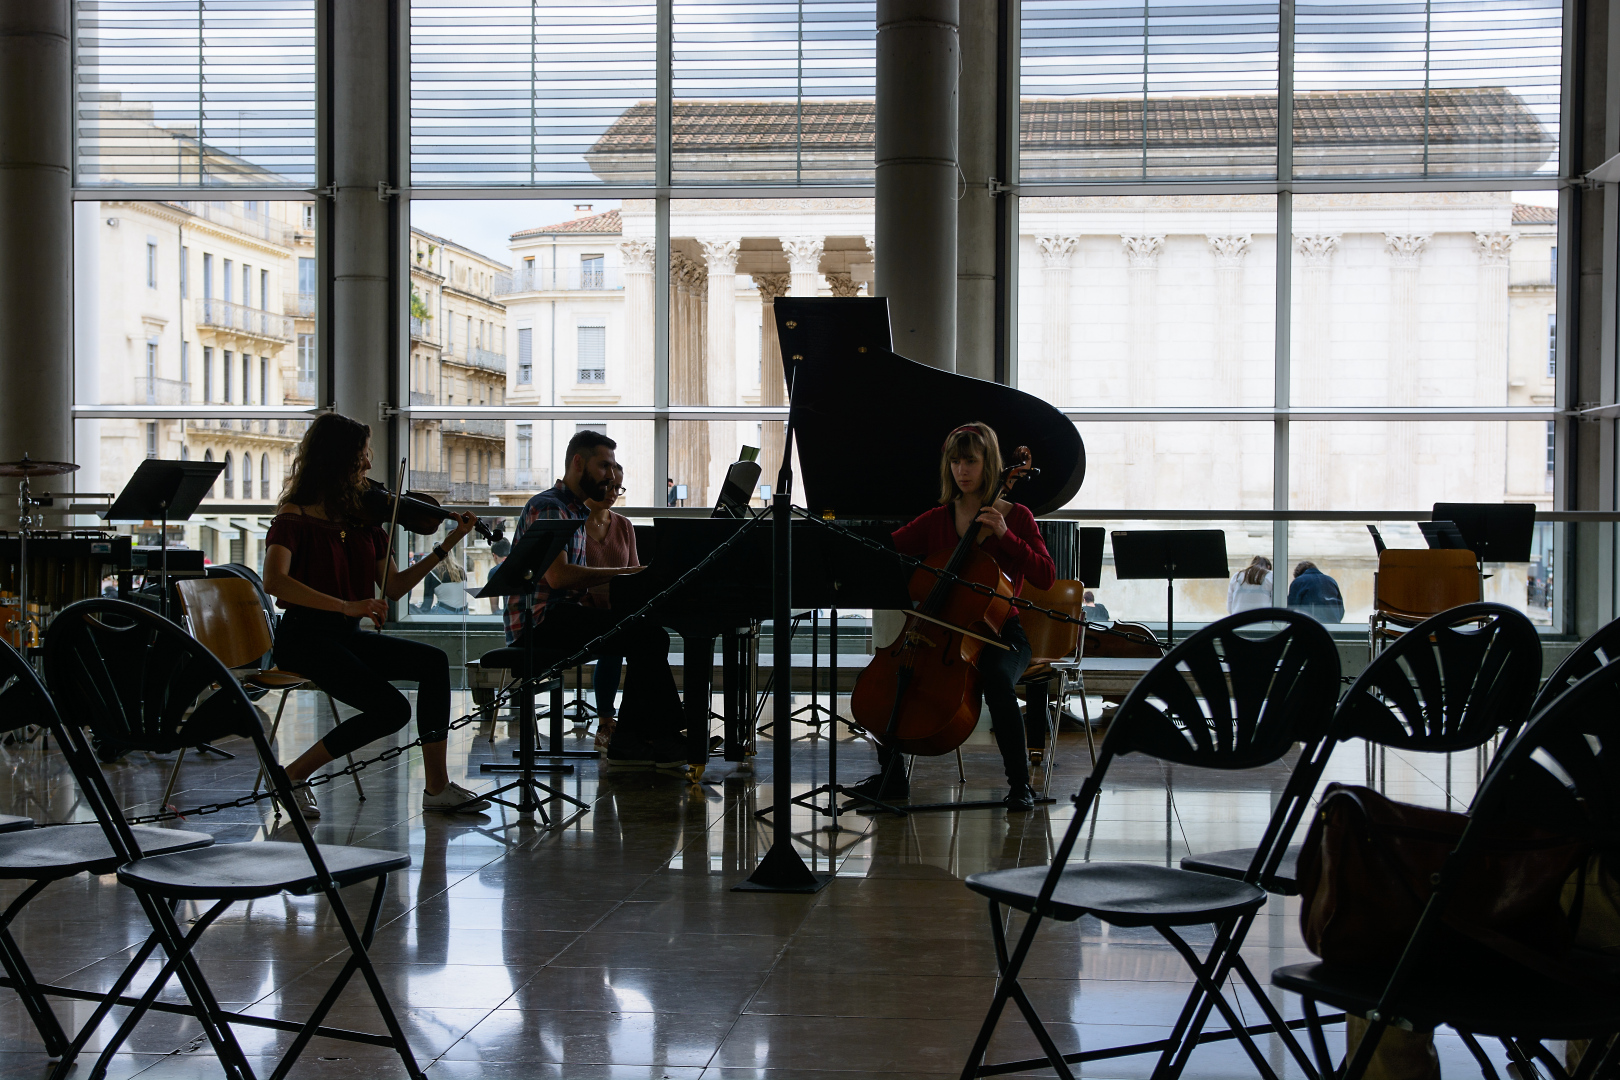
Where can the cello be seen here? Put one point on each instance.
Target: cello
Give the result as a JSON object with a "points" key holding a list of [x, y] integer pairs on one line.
{"points": [[921, 694]]}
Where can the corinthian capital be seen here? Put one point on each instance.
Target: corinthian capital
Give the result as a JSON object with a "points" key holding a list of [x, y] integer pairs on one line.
{"points": [[1229, 250], [638, 256], [721, 254], [1494, 247], [842, 284], [804, 253], [1056, 250], [771, 286], [1142, 252], [1406, 248], [1316, 249], [686, 272]]}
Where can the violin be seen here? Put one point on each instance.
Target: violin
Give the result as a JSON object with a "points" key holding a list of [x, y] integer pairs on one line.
{"points": [[418, 512], [921, 694]]}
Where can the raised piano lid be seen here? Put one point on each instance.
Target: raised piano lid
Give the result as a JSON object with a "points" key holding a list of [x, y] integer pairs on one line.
{"points": [[869, 423]]}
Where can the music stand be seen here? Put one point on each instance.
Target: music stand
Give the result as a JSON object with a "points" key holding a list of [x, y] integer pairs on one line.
{"points": [[165, 490], [1170, 554], [1494, 532], [1092, 540], [1444, 535], [532, 555]]}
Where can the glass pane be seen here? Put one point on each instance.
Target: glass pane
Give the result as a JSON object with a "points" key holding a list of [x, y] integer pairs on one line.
{"points": [[774, 91], [521, 92], [1176, 466], [1147, 92], [1197, 600], [1408, 465], [1442, 88], [731, 259], [184, 93], [1435, 298], [1147, 300]]}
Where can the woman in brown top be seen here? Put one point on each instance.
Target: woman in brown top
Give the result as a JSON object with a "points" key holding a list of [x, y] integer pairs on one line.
{"points": [[610, 540]]}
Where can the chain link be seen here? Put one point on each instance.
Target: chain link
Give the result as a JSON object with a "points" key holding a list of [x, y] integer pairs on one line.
{"points": [[583, 653]]}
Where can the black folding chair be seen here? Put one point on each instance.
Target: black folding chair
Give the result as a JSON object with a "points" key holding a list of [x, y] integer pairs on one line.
{"points": [[133, 677], [43, 856], [1561, 773], [1235, 695], [1593, 654], [1449, 684]]}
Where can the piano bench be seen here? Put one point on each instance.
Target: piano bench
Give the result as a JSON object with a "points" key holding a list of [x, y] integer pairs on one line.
{"points": [[516, 661]]}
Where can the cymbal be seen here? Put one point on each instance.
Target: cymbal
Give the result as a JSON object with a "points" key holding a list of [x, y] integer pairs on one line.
{"points": [[28, 468]]}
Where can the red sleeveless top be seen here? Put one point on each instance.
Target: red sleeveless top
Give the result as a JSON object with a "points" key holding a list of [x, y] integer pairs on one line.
{"points": [[338, 560]]}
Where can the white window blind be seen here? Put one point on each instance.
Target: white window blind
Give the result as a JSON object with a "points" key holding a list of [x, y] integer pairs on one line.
{"points": [[206, 93], [516, 92], [592, 354], [525, 364]]}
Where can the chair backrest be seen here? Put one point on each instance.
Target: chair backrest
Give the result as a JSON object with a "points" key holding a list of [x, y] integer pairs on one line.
{"points": [[1123, 640], [1597, 651], [1448, 684], [23, 699], [1050, 639], [137, 679], [1414, 583], [225, 615], [1235, 695]]}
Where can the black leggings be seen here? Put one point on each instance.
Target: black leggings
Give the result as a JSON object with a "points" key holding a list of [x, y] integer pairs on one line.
{"points": [[356, 667]]}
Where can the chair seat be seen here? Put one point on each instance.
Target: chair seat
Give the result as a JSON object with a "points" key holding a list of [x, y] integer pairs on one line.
{"points": [[64, 850], [1124, 894], [276, 679], [516, 660], [260, 868], [1235, 863], [1490, 998], [15, 823]]}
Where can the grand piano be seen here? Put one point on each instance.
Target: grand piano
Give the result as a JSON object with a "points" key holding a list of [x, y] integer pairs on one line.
{"points": [[868, 423]]}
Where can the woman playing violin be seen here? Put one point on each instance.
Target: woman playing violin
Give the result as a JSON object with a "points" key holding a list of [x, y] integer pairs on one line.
{"points": [[323, 563], [969, 468]]}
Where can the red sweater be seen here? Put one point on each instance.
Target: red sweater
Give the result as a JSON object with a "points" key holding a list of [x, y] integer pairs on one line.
{"points": [[1021, 553]]}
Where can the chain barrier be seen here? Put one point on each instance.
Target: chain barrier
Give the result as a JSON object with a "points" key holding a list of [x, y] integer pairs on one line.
{"points": [[502, 697]]}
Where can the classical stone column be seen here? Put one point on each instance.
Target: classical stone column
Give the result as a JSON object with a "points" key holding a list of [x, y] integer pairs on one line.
{"points": [[1313, 364], [636, 448], [688, 377], [36, 233], [1401, 444], [1226, 472], [772, 386], [1491, 363], [842, 284], [804, 260], [720, 336], [1142, 258], [1056, 379], [918, 61]]}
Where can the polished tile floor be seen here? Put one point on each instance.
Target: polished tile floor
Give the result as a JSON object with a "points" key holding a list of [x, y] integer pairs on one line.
{"points": [[614, 947]]}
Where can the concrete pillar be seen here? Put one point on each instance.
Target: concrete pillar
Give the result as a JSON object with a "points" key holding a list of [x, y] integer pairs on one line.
{"points": [[1491, 364], [36, 233], [1401, 443], [1313, 366], [1056, 380], [1226, 476], [362, 300], [772, 386], [635, 450], [976, 208], [918, 59], [1141, 472], [720, 335]]}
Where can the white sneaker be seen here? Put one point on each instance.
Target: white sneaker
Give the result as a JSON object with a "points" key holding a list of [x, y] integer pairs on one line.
{"points": [[304, 803], [455, 799]]}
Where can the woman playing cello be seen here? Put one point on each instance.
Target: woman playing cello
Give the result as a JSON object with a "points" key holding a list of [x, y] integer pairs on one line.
{"points": [[969, 467], [323, 563]]}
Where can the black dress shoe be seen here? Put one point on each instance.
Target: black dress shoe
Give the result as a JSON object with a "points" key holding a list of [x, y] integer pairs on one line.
{"points": [[1020, 798], [873, 787]]}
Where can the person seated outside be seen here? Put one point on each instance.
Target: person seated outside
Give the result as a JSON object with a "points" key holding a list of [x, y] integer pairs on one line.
{"points": [[1316, 594], [1251, 587], [1093, 611]]}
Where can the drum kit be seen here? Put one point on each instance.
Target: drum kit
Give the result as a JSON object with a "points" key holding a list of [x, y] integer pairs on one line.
{"points": [[14, 621]]}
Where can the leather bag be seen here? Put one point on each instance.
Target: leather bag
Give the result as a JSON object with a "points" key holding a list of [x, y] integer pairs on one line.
{"points": [[1369, 865]]}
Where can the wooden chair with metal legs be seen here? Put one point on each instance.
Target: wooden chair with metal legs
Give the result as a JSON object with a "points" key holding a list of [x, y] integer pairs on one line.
{"points": [[1413, 584], [1054, 654], [226, 616]]}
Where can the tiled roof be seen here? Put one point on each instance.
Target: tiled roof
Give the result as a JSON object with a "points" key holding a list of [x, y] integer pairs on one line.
{"points": [[1525, 214], [605, 222], [1346, 118]]}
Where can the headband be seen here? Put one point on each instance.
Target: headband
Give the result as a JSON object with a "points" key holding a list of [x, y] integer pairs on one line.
{"points": [[965, 427]]}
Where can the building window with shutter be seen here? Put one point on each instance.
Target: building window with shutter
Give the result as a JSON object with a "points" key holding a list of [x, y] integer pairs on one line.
{"points": [[230, 481], [525, 446], [1552, 345], [151, 440], [264, 380], [247, 476], [590, 271], [264, 477], [225, 375], [151, 263], [185, 272], [592, 355], [525, 365], [247, 380], [208, 374]]}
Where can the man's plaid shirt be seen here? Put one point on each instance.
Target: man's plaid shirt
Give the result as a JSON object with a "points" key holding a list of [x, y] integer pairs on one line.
{"points": [[529, 609]]}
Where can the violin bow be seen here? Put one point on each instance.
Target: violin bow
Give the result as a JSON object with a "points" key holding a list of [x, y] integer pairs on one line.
{"points": [[393, 523]]}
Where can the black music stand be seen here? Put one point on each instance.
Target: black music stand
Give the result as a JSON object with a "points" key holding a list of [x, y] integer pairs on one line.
{"points": [[532, 555], [167, 490], [1093, 538], [1494, 532], [1444, 536], [742, 480], [1170, 554]]}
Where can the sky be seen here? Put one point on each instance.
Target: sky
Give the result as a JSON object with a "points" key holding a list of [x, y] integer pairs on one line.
{"points": [[485, 224]]}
